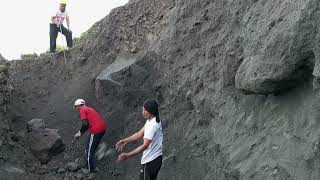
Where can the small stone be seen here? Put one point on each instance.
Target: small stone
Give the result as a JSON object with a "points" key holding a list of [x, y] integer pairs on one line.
{"points": [[134, 49], [54, 168], [72, 166], [85, 171], [35, 124], [275, 172], [66, 157], [69, 174], [79, 176], [91, 177], [286, 135], [14, 137], [32, 170], [61, 170], [43, 171], [188, 96], [21, 135]]}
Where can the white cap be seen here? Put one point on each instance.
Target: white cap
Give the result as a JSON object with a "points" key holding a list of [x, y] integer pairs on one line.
{"points": [[79, 102]]}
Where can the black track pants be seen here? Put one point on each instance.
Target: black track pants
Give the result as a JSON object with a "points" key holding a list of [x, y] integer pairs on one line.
{"points": [[93, 142], [54, 29], [150, 170]]}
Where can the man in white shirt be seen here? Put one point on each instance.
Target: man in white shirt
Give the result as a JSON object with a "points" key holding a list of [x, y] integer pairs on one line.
{"points": [[56, 26], [152, 135]]}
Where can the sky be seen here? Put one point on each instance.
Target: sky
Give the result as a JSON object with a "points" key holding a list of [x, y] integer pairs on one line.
{"points": [[25, 23]]}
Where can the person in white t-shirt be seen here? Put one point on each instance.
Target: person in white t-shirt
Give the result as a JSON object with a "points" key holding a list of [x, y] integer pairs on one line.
{"points": [[152, 142], [56, 26]]}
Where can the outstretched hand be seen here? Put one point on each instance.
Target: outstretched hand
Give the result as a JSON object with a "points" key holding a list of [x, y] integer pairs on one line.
{"points": [[122, 157], [120, 145]]}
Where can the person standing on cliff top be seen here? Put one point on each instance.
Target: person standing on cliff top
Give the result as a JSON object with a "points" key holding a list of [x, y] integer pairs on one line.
{"points": [[152, 135], [56, 26]]}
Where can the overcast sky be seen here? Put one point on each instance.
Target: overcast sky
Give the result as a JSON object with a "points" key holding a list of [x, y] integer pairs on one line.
{"points": [[25, 23]]}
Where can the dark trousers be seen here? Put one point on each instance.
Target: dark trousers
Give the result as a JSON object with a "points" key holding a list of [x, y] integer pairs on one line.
{"points": [[93, 142], [150, 170], [54, 29]]}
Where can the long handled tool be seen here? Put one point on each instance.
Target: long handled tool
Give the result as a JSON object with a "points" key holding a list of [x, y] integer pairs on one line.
{"points": [[64, 53]]}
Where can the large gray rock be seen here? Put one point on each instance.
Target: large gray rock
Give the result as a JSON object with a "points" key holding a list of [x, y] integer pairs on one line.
{"points": [[110, 82], [126, 79], [45, 143], [278, 52], [124, 85], [35, 124]]}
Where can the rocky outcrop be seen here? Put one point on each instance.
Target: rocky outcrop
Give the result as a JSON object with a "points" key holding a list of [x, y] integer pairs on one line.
{"points": [[278, 48], [45, 143], [127, 82], [110, 81], [199, 59], [5, 95], [35, 124]]}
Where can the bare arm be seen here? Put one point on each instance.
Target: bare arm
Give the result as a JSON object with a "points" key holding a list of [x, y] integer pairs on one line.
{"points": [[134, 137], [140, 149], [53, 19], [68, 22]]}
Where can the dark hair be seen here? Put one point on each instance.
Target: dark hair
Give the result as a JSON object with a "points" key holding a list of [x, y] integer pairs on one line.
{"points": [[153, 108]]}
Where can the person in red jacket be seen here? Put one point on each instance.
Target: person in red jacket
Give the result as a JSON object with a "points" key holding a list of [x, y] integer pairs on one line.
{"points": [[93, 121]]}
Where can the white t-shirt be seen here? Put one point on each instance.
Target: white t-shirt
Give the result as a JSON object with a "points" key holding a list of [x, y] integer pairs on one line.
{"points": [[153, 132], [61, 16]]}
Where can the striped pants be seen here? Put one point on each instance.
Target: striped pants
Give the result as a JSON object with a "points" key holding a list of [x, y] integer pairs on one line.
{"points": [[93, 142]]}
